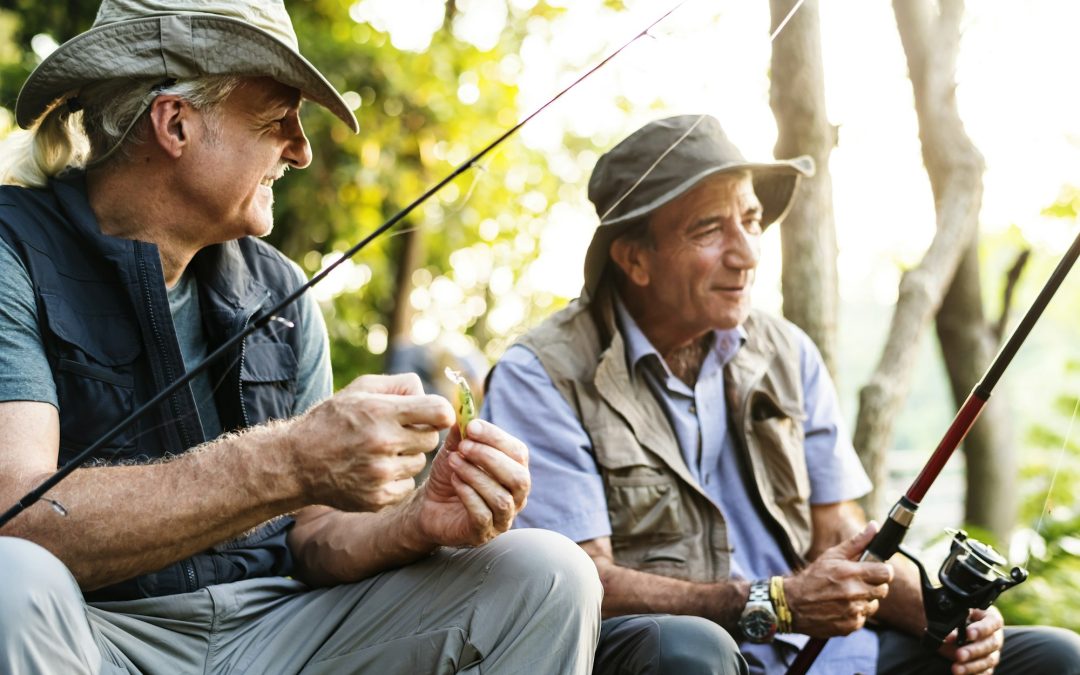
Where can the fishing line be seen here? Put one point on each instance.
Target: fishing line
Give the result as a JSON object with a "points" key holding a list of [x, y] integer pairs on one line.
{"points": [[680, 139], [1053, 478], [272, 314]]}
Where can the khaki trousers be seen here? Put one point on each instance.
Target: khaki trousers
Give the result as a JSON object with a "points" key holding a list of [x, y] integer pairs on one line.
{"points": [[527, 602]]}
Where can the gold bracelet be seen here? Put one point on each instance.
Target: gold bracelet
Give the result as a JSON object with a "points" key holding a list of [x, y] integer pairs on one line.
{"points": [[779, 600]]}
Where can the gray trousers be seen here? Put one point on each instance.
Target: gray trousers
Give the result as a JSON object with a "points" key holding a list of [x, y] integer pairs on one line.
{"points": [[658, 644], [527, 602], [1028, 650], [654, 644]]}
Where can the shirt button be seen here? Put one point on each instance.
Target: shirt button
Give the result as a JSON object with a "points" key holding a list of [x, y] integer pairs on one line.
{"points": [[693, 409]]}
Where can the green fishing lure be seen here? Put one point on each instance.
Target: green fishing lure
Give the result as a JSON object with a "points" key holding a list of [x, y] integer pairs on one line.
{"points": [[466, 408]]}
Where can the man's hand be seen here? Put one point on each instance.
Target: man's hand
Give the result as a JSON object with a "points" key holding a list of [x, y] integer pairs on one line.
{"points": [[836, 594], [985, 636], [476, 487], [359, 450]]}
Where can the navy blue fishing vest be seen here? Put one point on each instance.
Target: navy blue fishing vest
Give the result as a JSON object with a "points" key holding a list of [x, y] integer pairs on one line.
{"points": [[104, 317]]}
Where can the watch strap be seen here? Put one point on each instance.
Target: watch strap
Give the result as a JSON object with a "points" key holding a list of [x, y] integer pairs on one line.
{"points": [[759, 592]]}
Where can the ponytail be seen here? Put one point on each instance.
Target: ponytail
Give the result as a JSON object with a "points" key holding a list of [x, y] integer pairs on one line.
{"points": [[65, 138], [55, 142]]}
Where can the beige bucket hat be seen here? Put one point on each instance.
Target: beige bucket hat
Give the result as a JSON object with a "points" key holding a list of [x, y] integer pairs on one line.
{"points": [[179, 39], [664, 160]]}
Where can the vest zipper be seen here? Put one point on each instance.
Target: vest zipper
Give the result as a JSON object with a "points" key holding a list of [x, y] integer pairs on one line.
{"points": [[160, 341], [189, 570], [240, 383], [240, 369]]}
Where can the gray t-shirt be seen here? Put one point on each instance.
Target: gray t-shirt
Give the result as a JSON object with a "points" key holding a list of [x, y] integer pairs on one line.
{"points": [[24, 368]]}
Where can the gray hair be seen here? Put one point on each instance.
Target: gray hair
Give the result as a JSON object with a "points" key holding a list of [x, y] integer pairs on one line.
{"points": [[108, 119]]}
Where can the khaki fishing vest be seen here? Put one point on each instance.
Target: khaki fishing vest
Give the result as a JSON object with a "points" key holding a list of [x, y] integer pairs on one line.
{"points": [[662, 522]]}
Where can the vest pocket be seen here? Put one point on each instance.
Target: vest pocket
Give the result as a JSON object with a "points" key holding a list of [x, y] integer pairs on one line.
{"points": [[644, 511], [648, 504], [644, 507], [778, 434], [268, 380], [93, 356]]}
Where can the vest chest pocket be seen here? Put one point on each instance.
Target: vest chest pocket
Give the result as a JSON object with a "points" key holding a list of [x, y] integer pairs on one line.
{"points": [[93, 355], [778, 435], [643, 504], [644, 508], [643, 499], [269, 380]]}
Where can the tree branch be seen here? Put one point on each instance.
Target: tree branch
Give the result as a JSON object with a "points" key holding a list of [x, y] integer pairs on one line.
{"points": [[954, 167], [1012, 277]]}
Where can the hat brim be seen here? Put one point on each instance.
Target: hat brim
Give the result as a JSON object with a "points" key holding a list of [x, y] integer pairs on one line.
{"points": [[774, 184], [219, 45]]}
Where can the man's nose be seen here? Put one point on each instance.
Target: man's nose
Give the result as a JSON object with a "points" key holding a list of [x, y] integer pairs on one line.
{"points": [[298, 151], [744, 249]]}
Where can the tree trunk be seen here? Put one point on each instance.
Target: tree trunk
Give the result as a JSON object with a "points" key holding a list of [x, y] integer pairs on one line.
{"points": [[808, 234], [410, 255], [968, 343], [931, 41]]}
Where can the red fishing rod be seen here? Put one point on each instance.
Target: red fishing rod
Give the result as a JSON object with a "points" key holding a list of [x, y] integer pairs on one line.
{"points": [[973, 574]]}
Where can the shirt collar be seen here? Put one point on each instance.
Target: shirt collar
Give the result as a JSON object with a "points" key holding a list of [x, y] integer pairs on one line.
{"points": [[726, 342]]}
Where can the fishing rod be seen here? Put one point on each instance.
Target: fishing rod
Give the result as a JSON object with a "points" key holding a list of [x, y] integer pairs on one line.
{"points": [[973, 574], [35, 495]]}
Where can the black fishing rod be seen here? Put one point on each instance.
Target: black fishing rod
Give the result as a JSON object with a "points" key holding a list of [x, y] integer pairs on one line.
{"points": [[973, 575], [35, 495]]}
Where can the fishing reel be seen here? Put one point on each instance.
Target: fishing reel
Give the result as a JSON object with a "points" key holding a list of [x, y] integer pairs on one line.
{"points": [[972, 576]]}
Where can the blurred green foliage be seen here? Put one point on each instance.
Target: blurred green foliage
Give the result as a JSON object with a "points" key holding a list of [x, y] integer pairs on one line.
{"points": [[1067, 205], [1050, 481], [421, 114]]}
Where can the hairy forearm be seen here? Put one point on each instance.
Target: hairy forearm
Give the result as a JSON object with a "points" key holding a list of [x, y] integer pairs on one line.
{"points": [[629, 591], [128, 520], [334, 547]]}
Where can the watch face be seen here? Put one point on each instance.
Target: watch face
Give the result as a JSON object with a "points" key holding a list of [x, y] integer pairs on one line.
{"points": [[758, 624]]}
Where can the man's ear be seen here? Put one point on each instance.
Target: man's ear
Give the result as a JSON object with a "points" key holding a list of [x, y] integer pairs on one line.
{"points": [[171, 120], [629, 256]]}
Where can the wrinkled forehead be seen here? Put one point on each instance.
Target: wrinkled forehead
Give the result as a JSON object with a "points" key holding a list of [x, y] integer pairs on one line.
{"points": [[257, 94], [724, 194]]}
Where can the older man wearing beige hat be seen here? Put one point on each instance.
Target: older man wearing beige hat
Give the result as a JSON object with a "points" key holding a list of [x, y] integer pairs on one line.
{"points": [[251, 522], [694, 448]]}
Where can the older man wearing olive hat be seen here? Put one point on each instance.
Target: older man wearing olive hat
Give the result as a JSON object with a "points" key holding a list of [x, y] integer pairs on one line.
{"points": [[292, 538], [694, 446]]}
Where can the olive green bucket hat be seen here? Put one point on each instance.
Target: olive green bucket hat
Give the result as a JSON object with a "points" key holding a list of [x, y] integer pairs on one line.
{"points": [[664, 160], [179, 39]]}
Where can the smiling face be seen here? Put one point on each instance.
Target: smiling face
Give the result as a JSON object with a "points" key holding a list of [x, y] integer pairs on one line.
{"points": [[243, 146], [695, 271]]}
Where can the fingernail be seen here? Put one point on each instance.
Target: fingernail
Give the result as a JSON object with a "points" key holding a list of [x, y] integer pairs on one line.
{"points": [[475, 427]]}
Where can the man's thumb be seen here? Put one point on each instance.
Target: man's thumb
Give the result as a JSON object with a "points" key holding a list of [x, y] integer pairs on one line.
{"points": [[853, 548]]}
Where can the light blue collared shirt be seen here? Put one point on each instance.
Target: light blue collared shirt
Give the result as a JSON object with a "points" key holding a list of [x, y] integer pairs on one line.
{"points": [[568, 493]]}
